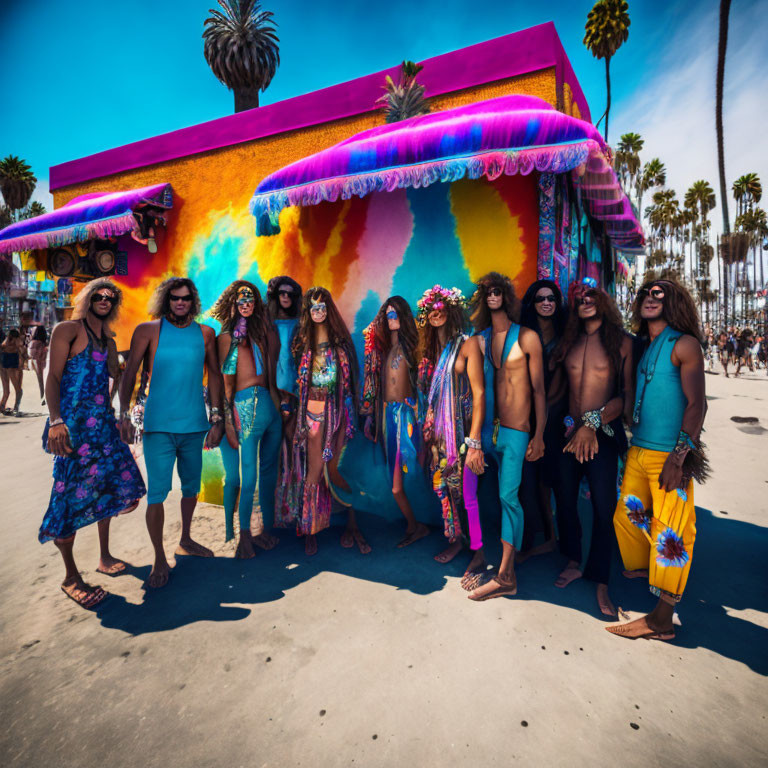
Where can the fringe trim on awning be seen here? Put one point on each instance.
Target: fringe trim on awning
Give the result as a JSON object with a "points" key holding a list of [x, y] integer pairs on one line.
{"points": [[266, 206], [101, 229]]}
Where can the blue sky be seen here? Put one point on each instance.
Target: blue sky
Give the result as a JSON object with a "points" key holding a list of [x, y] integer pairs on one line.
{"points": [[87, 76]]}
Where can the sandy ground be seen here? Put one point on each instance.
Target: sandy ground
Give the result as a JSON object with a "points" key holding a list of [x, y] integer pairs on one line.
{"points": [[345, 660]]}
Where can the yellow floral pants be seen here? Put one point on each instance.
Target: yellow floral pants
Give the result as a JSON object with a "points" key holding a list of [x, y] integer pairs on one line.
{"points": [[655, 529]]}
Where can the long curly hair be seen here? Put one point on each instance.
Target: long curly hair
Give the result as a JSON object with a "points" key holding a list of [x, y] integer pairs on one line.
{"points": [[529, 317], [160, 303], [273, 301], [611, 331], [429, 340], [226, 312], [83, 302], [679, 309], [338, 333], [479, 314], [408, 335]]}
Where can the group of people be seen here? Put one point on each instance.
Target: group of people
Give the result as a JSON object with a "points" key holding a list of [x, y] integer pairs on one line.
{"points": [[20, 347], [737, 347], [527, 398]]}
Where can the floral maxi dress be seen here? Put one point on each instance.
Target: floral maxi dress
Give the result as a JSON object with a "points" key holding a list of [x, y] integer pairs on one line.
{"points": [[99, 479]]}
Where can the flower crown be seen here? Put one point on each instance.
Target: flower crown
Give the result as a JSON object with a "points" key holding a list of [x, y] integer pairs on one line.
{"points": [[438, 297]]}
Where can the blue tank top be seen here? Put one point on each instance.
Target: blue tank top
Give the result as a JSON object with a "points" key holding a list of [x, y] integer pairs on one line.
{"points": [[286, 367], [659, 400], [175, 402], [489, 373]]}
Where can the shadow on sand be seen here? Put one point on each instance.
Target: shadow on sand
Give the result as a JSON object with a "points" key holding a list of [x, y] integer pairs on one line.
{"points": [[727, 575]]}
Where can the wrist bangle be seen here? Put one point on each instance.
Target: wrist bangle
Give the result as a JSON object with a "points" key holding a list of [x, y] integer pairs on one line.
{"points": [[471, 443], [215, 419], [56, 422]]}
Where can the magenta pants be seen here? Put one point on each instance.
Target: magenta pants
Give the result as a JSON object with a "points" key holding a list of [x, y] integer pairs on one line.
{"points": [[469, 488]]}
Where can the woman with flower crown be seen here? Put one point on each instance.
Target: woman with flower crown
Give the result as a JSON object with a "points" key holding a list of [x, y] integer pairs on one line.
{"points": [[325, 421], [452, 406]]}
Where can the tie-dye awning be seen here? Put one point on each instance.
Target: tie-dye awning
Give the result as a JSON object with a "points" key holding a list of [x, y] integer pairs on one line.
{"points": [[507, 135], [95, 215]]}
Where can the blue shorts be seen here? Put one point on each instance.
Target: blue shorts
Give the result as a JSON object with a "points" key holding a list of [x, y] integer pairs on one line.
{"points": [[164, 449]]}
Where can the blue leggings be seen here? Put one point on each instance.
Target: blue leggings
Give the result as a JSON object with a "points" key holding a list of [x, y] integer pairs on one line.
{"points": [[511, 445], [259, 433]]}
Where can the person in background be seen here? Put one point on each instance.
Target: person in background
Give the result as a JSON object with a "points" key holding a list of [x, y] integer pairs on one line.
{"points": [[37, 349], [12, 361]]}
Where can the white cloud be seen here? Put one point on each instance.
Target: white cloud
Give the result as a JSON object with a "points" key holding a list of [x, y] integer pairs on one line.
{"points": [[43, 194]]}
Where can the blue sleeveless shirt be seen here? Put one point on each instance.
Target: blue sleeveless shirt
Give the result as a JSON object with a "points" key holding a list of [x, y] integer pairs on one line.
{"points": [[286, 367], [175, 401], [659, 400], [489, 373]]}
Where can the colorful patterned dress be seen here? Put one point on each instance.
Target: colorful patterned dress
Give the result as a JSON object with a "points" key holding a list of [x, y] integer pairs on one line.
{"points": [[99, 478]]}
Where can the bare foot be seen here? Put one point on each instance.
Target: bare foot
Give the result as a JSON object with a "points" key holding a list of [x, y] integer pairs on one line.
{"points": [[640, 573], [111, 566], [604, 601], [495, 587], [83, 594], [633, 630], [539, 549], [310, 545], [244, 549], [158, 577], [419, 532], [475, 570], [449, 553], [356, 537], [189, 547], [265, 541], [569, 574]]}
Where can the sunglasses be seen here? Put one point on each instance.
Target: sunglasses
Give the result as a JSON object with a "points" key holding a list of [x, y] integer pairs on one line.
{"points": [[285, 293], [494, 291], [97, 297], [392, 315], [542, 299], [245, 300], [320, 307], [588, 297], [655, 292], [187, 297]]}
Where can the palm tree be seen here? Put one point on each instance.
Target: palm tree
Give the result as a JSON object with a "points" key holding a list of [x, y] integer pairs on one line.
{"points": [[17, 182], [627, 158], [606, 29], [747, 190], [241, 48], [722, 45], [406, 98], [35, 208], [700, 198], [654, 174]]}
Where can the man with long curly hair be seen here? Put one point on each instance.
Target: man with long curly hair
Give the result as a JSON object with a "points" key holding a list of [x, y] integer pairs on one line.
{"points": [[248, 351], [175, 352], [514, 383], [389, 400], [95, 476], [596, 358], [655, 518]]}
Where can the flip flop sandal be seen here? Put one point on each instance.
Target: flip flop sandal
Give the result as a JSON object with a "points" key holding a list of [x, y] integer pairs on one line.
{"points": [[503, 589], [112, 574], [91, 600]]}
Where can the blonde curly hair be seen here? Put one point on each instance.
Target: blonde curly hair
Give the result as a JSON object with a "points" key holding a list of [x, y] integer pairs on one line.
{"points": [[83, 301], [159, 305]]}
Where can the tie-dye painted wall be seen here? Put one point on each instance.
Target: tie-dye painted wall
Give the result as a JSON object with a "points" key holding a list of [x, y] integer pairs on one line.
{"points": [[363, 250]]}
